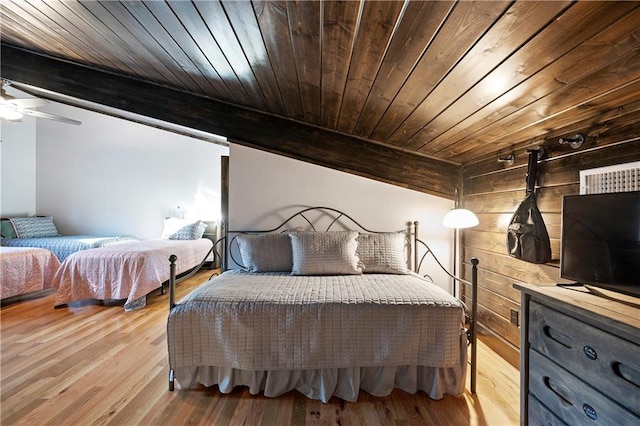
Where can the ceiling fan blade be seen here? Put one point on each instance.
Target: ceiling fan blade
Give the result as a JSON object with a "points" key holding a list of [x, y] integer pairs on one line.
{"points": [[50, 116], [20, 102], [26, 102], [21, 105]]}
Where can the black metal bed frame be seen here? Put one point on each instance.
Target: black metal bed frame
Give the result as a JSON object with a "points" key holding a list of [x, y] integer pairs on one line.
{"points": [[173, 280], [414, 262]]}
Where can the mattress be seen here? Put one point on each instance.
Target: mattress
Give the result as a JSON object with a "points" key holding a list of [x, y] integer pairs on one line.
{"points": [[276, 321], [65, 245]]}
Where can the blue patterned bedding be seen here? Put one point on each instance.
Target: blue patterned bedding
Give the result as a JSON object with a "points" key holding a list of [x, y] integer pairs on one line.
{"points": [[63, 246]]}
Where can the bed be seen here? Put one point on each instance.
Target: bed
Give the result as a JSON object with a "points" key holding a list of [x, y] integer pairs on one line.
{"points": [[25, 271], [327, 324], [126, 272], [64, 245], [41, 232]]}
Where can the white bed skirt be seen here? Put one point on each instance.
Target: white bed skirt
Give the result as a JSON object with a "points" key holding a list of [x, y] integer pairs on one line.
{"points": [[322, 384]]}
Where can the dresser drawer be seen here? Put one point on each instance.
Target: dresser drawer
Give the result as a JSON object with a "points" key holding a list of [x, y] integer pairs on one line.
{"points": [[572, 400], [606, 362], [539, 415]]}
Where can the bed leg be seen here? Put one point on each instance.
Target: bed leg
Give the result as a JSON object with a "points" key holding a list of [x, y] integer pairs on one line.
{"points": [[474, 322], [172, 280], [171, 380]]}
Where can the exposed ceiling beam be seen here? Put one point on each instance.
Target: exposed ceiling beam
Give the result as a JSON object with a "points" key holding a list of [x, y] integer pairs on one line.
{"points": [[240, 125]]}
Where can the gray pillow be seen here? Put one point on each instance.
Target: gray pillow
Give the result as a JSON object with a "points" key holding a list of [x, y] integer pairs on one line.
{"points": [[265, 252], [383, 253], [34, 227], [325, 253]]}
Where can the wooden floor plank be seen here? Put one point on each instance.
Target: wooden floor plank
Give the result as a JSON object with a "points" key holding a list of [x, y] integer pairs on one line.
{"points": [[102, 366]]}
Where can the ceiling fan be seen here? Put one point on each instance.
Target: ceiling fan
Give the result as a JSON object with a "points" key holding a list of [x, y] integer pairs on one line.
{"points": [[13, 109]]}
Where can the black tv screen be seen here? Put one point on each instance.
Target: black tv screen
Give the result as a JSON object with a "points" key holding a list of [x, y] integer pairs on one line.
{"points": [[601, 241]]}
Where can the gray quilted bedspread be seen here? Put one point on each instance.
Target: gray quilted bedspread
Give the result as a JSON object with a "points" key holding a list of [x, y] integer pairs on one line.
{"points": [[275, 321]]}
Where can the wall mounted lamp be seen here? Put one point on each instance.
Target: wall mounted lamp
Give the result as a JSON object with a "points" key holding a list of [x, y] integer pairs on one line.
{"points": [[574, 142], [508, 160]]}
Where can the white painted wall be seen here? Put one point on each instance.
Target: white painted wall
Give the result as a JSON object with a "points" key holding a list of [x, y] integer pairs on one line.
{"points": [[18, 167], [107, 176], [265, 189], [111, 176]]}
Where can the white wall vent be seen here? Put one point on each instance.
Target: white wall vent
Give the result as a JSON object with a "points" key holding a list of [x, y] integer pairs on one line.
{"points": [[618, 178]]}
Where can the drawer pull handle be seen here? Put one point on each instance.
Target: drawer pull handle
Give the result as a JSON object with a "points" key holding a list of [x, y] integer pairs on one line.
{"points": [[626, 373], [563, 399], [555, 335], [589, 411], [590, 353]]}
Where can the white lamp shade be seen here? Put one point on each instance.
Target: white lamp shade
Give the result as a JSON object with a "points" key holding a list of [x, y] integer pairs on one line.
{"points": [[460, 218]]}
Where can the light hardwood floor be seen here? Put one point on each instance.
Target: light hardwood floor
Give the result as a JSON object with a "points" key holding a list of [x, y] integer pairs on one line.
{"points": [[101, 365]]}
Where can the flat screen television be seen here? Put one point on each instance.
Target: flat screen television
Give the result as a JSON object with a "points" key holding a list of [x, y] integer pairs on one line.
{"points": [[601, 241]]}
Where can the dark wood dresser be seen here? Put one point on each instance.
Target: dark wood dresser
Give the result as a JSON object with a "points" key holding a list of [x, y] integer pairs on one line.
{"points": [[579, 357]]}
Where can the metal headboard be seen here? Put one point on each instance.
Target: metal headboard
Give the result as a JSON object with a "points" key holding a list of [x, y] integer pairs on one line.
{"points": [[309, 219]]}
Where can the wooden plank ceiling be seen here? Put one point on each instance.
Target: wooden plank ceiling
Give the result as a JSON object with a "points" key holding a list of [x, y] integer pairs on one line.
{"points": [[402, 91]]}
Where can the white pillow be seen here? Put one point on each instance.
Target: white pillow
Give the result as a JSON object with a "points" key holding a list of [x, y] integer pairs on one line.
{"points": [[325, 253], [265, 252], [182, 229], [383, 253]]}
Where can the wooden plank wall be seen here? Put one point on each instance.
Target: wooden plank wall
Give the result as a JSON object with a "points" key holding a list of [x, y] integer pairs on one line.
{"points": [[494, 190]]}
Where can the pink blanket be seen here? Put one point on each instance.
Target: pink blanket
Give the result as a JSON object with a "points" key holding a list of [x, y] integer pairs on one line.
{"points": [[125, 271], [26, 270]]}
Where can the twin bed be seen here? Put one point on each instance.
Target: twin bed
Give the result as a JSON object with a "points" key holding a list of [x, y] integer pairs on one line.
{"points": [[64, 245], [41, 232], [125, 271], [326, 313]]}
